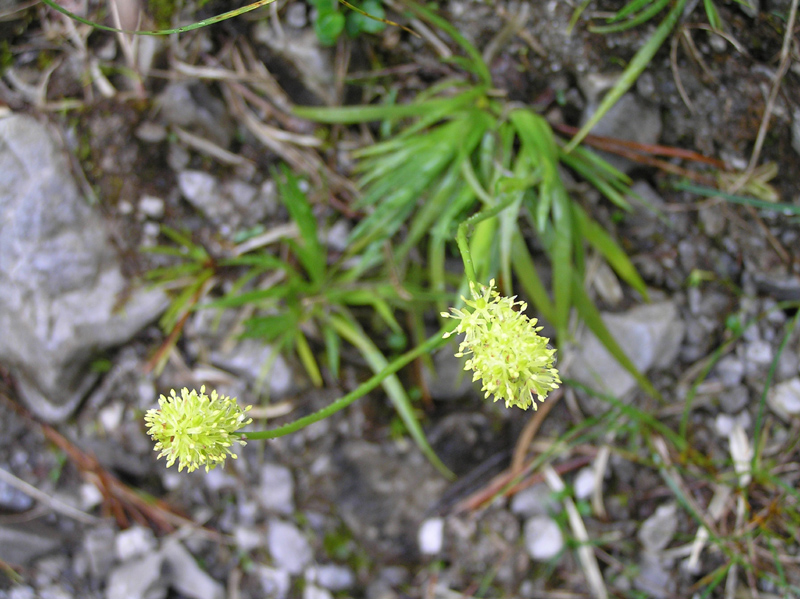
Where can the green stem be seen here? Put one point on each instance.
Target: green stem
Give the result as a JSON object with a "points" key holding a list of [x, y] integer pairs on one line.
{"points": [[432, 343], [461, 235]]}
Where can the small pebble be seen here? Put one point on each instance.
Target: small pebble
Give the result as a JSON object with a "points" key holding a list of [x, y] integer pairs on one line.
{"points": [[431, 536], [151, 207], [543, 538]]}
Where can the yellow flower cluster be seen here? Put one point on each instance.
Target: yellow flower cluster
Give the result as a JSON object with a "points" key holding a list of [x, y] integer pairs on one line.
{"points": [[505, 350], [195, 429]]}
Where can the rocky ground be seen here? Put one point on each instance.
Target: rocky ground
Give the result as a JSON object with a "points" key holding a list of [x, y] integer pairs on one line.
{"points": [[103, 141]]}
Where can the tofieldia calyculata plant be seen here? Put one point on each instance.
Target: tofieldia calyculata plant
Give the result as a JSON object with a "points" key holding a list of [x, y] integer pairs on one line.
{"points": [[505, 349]]}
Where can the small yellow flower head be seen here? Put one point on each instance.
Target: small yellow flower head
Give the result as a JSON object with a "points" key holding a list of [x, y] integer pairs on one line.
{"points": [[195, 429], [505, 350]]}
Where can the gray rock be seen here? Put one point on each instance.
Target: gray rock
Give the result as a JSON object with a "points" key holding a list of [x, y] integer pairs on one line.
{"points": [[229, 204], [536, 500], [796, 130], [60, 276], [275, 583], [784, 398], [733, 400], [193, 107], [22, 543], [247, 538], [730, 370], [134, 542], [314, 592], [650, 335], [98, 545], [22, 592], [288, 547], [276, 492], [151, 206], [448, 381], [12, 499], [543, 538], [657, 531], [654, 578], [138, 579], [630, 119], [185, 576], [332, 577], [248, 359], [382, 494], [301, 50], [757, 358], [584, 483]]}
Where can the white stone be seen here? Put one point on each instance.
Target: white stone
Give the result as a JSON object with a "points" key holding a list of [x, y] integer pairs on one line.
{"points": [[543, 538], [431, 536], [314, 592], [784, 398], [332, 577], [137, 579], [151, 206], [650, 335], [186, 577], [134, 542], [536, 500], [276, 492], [288, 547], [657, 531], [274, 583], [247, 538], [584, 483]]}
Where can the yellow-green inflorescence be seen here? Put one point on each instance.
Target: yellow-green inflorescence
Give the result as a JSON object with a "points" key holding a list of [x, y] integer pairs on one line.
{"points": [[195, 429], [505, 350]]}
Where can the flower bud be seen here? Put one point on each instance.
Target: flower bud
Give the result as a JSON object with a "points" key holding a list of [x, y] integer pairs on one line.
{"points": [[195, 429], [504, 348]]}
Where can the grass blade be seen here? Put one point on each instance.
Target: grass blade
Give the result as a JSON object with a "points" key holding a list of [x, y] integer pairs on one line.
{"points": [[352, 332], [638, 64]]}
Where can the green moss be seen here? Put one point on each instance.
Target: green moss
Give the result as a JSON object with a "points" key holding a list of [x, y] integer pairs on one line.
{"points": [[162, 11]]}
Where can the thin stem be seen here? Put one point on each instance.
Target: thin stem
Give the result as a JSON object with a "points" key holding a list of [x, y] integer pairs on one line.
{"points": [[432, 343], [461, 235]]}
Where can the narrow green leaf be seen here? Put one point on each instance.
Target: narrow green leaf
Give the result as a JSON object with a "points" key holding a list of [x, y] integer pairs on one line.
{"points": [[332, 349], [528, 277], [713, 15], [269, 328], [479, 67], [615, 255], [644, 16], [637, 65], [300, 211], [204, 23], [307, 358], [352, 332]]}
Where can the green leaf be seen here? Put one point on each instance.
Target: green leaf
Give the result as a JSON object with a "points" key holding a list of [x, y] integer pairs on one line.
{"points": [[615, 255], [357, 23], [307, 358], [713, 15], [269, 327], [329, 26], [528, 277], [332, 349], [350, 115], [314, 257], [644, 16]]}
